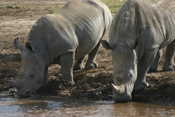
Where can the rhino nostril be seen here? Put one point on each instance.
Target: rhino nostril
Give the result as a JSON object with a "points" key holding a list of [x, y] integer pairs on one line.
{"points": [[130, 75], [27, 92], [31, 76]]}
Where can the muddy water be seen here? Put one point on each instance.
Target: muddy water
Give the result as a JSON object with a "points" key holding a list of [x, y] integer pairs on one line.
{"points": [[57, 107]]}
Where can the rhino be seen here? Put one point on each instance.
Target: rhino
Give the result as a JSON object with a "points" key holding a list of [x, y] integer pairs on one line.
{"points": [[138, 31], [168, 59], [64, 38]]}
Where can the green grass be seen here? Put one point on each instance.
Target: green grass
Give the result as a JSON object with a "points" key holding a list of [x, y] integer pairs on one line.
{"points": [[54, 9], [10, 6], [114, 5]]}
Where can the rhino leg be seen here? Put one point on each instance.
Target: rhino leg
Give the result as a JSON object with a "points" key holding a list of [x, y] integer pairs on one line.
{"points": [[67, 63], [154, 66], [90, 64], [143, 66], [169, 57], [45, 75], [78, 64]]}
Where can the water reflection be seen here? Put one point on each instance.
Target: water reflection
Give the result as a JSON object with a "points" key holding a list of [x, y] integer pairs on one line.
{"points": [[55, 107], [142, 110]]}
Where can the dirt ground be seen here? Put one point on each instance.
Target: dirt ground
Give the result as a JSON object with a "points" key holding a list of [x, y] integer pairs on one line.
{"points": [[16, 19]]}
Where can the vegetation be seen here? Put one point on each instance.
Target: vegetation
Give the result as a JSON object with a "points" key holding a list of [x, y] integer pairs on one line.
{"points": [[114, 5]]}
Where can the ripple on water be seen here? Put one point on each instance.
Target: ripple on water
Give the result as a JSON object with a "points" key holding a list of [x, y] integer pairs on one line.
{"points": [[53, 107]]}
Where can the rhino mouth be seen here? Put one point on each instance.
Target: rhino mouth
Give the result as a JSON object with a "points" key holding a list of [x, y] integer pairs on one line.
{"points": [[121, 93], [18, 89], [25, 93]]}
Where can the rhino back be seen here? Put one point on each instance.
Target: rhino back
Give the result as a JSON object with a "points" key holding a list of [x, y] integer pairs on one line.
{"points": [[160, 20], [137, 17], [167, 5], [88, 20], [78, 26], [52, 36], [168, 8]]}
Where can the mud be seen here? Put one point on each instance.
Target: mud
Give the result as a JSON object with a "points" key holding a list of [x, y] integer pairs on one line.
{"points": [[16, 19]]}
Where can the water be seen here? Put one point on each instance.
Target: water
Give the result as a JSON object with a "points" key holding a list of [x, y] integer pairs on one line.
{"points": [[57, 107]]}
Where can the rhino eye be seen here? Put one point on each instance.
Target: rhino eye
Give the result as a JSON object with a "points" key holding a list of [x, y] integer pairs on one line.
{"points": [[129, 74], [28, 46], [31, 76]]}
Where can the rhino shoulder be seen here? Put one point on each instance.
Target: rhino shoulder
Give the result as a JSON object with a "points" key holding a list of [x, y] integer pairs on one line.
{"points": [[105, 10]]}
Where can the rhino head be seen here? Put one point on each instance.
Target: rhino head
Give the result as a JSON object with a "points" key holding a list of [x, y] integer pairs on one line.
{"points": [[33, 70], [124, 62]]}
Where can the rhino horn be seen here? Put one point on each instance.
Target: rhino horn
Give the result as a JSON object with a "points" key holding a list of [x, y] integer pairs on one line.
{"points": [[117, 88]]}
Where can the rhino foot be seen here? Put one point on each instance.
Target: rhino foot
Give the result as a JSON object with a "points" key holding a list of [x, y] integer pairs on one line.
{"points": [[91, 66], [78, 67], [141, 86], [151, 70], [71, 83], [168, 68]]}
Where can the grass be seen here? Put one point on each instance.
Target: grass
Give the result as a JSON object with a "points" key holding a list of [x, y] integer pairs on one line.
{"points": [[10, 6], [54, 9], [114, 5]]}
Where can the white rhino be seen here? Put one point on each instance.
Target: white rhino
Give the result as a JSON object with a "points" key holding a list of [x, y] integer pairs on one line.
{"points": [[168, 59], [64, 38], [137, 33]]}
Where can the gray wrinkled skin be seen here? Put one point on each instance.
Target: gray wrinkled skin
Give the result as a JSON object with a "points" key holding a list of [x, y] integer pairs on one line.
{"points": [[170, 49], [137, 33], [169, 59], [64, 38]]}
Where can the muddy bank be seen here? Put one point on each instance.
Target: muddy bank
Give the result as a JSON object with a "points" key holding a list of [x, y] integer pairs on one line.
{"points": [[95, 84]]}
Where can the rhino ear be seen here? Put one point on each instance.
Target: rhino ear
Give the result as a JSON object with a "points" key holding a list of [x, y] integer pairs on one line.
{"points": [[106, 44], [18, 44]]}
